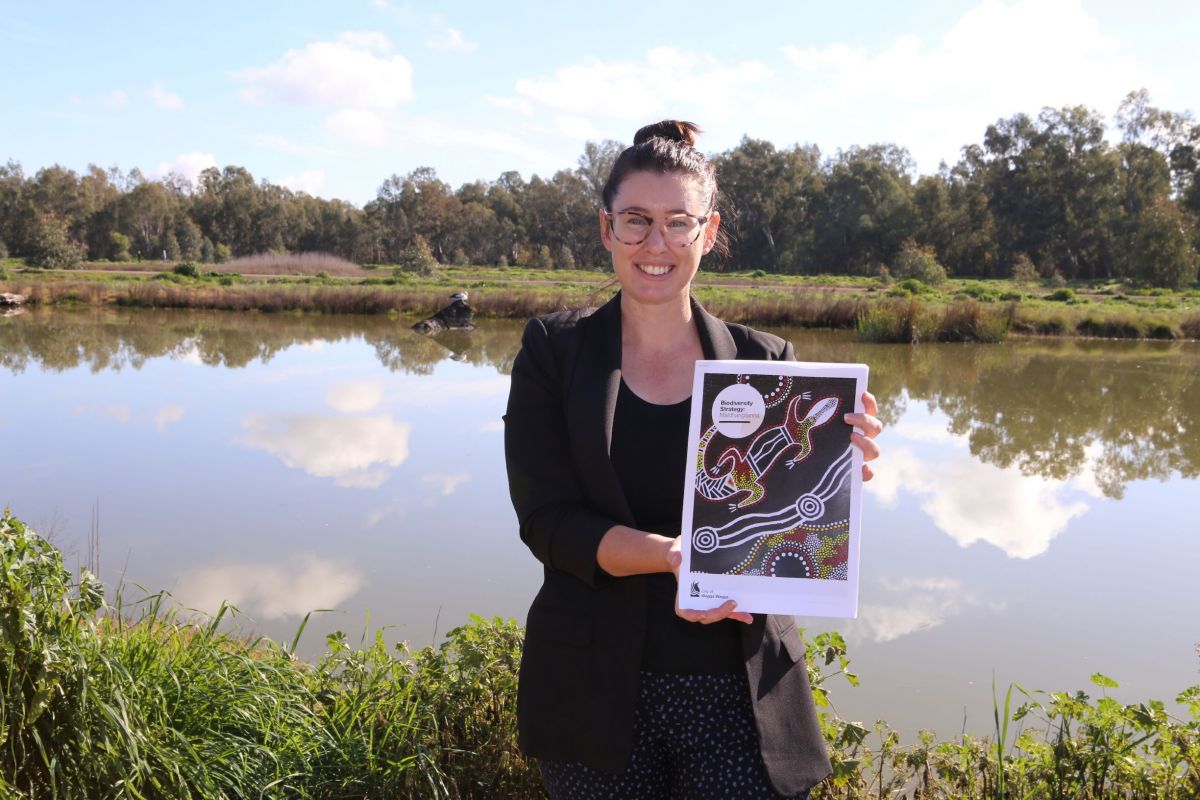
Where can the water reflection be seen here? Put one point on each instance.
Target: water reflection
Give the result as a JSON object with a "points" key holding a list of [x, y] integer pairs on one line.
{"points": [[286, 463], [269, 590], [351, 450]]}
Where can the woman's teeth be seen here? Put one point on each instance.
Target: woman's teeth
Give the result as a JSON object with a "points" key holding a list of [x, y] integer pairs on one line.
{"points": [[654, 269]]}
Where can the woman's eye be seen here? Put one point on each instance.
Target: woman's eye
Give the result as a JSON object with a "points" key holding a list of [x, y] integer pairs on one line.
{"points": [[637, 222], [679, 223]]}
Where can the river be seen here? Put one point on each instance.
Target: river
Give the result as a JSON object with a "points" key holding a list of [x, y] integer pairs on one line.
{"points": [[1033, 520]]}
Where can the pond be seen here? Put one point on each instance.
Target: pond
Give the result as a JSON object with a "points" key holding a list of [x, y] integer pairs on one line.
{"points": [[1034, 519]]}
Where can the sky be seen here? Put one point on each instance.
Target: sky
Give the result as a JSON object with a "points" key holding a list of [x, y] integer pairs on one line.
{"points": [[333, 98]]}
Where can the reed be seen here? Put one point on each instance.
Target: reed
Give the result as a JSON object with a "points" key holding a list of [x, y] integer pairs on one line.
{"points": [[292, 264]]}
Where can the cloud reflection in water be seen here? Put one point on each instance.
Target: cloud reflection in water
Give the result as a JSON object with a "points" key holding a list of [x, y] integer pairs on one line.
{"points": [[270, 590], [354, 451]]}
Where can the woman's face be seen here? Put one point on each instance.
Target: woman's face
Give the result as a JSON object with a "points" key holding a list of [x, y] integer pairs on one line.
{"points": [[656, 270]]}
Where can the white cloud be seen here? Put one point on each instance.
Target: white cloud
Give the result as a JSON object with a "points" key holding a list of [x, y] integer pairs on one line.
{"points": [[996, 60], [972, 501], [354, 451], [168, 414], [912, 605], [112, 99], [355, 70], [443, 483], [282, 144], [644, 89], [309, 181], [164, 99], [493, 426], [119, 412], [355, 397], [452, 39], [356, 126], [188, 165], [270, 590]]}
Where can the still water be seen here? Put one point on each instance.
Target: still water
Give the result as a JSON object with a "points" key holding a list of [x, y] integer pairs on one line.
{"points": [[1034, 518]]}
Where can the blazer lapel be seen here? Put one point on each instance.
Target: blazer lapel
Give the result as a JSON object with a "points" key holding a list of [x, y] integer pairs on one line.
{"points": [[715, 338], [597, 383]]}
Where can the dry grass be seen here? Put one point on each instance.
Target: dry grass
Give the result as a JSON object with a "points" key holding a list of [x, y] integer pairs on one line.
{"points": [[293, 264]]}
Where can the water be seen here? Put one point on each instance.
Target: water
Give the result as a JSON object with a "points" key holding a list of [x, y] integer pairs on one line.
{"points": [[1033, 520]]}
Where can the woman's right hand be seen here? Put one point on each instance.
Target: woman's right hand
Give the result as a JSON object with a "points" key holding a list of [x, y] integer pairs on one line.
{"points": [[727, 610]]}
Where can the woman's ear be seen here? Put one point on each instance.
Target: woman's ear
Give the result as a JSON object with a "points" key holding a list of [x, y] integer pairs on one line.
{"points": [[605, 231], [710, 231]]}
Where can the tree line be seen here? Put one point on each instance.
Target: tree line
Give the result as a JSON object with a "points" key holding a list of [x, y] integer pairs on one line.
{"points": [[1045, 195]]}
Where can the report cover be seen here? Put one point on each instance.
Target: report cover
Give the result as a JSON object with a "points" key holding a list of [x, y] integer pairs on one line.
{"points": [[773, 489]]}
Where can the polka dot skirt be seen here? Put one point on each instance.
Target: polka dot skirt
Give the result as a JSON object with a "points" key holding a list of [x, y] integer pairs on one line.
{"points": [[694, 739]]}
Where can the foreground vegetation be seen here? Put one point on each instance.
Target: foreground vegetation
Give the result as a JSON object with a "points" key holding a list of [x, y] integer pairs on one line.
{"points": [[133, 701], [881, 309]]}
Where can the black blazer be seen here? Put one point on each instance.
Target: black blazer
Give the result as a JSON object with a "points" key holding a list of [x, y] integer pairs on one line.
{"points": [[585, 629]]}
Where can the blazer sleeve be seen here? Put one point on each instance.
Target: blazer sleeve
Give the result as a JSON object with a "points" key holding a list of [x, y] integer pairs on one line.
{"points": [[556, 523]]}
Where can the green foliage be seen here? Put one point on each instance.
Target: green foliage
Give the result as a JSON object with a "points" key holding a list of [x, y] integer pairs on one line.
{"points": [[4, 274], [565, 259], [1162, 253], [3, 250], [416, 259], [118, 246], [187, 269], [51, 245], [914, 261], [1024, 270], [542, 259], [221, 253], [207, 252], [459, 258], [1063, 295]]}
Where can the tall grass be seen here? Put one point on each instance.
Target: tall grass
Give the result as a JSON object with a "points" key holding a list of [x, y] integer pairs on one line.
{"points": [[133, 701], [293, 264]]}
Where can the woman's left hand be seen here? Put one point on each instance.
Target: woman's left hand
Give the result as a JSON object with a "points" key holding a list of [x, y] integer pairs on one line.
{"points": [[867, 427]]}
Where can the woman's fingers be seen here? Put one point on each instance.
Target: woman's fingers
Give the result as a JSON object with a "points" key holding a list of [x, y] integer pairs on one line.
{"points": [[869, 404], [723, 611], [870, 449]]}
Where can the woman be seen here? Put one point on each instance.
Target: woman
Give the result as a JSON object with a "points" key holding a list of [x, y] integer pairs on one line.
{"points": [[622, 695]]}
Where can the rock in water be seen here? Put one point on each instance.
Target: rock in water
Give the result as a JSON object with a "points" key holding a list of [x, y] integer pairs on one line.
{"points": [[7, 299], [458, 315]]}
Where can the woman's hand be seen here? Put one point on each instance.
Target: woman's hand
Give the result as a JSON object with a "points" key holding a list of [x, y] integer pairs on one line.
{"points": [[724, 611], [867, 427]]}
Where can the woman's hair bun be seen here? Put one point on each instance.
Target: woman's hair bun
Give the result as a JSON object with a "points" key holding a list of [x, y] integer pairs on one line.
{"points": [[673, 130]]}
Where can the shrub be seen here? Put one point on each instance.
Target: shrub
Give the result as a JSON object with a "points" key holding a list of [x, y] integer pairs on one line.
{"points": [[565, 258], [187, 269], [4, 273], [459, 258], [118, 246], [542, 259], [221, 253], [3, 250], [914, 261], [980, 292], [417, 258], [502, 261], [52, 246], [1063, 295], [1024, 270]]}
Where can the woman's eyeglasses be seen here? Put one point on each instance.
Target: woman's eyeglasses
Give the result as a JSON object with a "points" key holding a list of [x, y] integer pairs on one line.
{"points": [[632, 227]]}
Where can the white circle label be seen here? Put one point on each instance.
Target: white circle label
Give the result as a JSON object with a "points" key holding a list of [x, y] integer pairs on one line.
{"points": [[738, 410]]}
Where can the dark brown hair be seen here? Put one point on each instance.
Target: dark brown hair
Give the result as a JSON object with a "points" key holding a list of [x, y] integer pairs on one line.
{"points": [[666, 147]]}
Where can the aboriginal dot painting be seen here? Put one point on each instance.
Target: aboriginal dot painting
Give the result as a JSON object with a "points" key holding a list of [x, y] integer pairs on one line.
{"points": [[775, 502]]}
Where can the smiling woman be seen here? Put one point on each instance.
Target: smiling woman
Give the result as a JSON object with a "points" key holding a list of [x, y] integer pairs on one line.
{"points": [[622, 694]]}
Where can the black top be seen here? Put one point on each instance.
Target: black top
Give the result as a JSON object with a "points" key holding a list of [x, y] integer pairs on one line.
{"points": [[649, 455]]}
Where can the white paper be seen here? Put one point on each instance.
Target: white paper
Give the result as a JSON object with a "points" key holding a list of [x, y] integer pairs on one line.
{"points": [[773, 490]]}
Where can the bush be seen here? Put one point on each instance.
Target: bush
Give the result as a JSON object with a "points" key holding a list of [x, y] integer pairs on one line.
{"points": [[187, 269], [53, 247], [542, 259], [502, 261], [221, 253], [4, 273], [459, 258], [1063, 295], [1024, 270], [565, 258], [118, 246], [3, 250], [416, 259], [914, 261]]}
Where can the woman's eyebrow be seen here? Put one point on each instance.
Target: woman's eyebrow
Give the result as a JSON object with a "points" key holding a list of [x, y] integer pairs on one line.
{"points": [[647, 213]]}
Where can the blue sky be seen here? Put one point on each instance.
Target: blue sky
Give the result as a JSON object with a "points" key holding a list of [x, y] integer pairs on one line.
{"points": [[333, 98]]}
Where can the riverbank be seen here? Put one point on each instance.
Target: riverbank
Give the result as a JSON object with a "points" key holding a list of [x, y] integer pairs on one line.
{"points": [[881, 311], [133, 695]]}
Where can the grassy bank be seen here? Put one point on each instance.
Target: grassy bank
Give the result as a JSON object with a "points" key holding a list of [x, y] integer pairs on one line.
{"points": [[107, 701], [881, 311]]}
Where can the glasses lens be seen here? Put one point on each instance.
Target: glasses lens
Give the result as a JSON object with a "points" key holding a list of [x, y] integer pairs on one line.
{"points": [[633, 228]]}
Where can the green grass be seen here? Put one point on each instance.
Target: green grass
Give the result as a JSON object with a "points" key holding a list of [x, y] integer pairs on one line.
{"points": [[956, 310], [133, 701]]}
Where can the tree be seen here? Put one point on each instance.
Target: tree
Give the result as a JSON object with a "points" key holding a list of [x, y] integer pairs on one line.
{"points": [[52, 246], [1162, 252], [118, 246], [914, 261], [417, 258]]}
